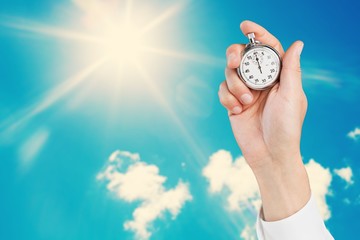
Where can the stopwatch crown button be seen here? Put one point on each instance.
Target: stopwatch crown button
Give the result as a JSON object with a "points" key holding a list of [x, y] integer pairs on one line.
{"points": [[251, 37]]}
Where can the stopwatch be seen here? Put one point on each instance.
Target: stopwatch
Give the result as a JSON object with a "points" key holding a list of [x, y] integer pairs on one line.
{"points": [[260, 65]]}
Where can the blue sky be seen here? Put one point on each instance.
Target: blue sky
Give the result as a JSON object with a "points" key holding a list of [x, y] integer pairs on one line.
{"points": [[64, 111]]}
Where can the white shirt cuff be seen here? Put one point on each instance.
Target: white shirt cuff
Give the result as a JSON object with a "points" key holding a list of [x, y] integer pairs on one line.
{"points": [[306, 224]]}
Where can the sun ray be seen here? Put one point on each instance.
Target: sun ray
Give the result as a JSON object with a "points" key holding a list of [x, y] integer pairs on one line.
{"points": [[128, 8], [171, 11], [95, 8], [11, 124], [103, 19], [199, 155], [29, 26], [200, 58], [105, 28]]}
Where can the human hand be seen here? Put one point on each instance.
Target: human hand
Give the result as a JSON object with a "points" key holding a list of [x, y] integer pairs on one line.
{"points": [[267, 124]]}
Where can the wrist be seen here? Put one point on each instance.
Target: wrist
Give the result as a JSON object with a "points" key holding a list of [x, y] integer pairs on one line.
{"points": [[284, 187]]}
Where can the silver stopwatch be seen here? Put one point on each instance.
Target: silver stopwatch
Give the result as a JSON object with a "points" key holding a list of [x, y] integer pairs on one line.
{"points": [[260, 65]]}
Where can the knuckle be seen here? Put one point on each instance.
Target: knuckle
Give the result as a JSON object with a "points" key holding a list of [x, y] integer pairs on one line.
{"points": [[235, 87], [229, 49], [278, 47], [292, 68], [226, 72], [232, 48], [298, 69], [304, 99], [226, 100], [222, 86]]}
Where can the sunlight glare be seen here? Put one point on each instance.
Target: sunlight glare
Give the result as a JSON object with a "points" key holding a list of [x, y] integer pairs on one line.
{"points": [[122, 43], [129, 46]]}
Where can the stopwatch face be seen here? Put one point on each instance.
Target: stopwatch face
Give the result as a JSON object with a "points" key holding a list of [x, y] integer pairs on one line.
{"points": [[259, 67]]}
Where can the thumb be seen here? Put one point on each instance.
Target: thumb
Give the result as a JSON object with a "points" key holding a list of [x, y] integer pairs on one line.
{"points": [[290, 78]]}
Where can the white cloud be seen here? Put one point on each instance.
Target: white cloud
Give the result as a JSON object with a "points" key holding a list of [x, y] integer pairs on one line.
{"points": [[131, 180], [115, 156], [248, 233], [237, 177], [320, 179], [346, 174], [238, 181], [354, 134], [317, 75], [32, 147]]}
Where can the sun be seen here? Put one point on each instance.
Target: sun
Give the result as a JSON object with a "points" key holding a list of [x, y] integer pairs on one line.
{"points": [[122, 42], [117, 37]]}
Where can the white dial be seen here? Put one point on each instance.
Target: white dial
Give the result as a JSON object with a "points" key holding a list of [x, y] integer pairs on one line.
{"points": [[259, 67], [256, 57]]}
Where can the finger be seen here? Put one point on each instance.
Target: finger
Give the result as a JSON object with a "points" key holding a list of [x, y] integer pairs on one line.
{"points": [[290, 78], [228, 100], [237, 87], [233, 55], [262, 35]]}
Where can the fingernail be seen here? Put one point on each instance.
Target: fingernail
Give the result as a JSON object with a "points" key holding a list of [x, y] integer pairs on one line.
{"points": [[300, 48], [231, 58], [236, 110], [246, 98]]}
